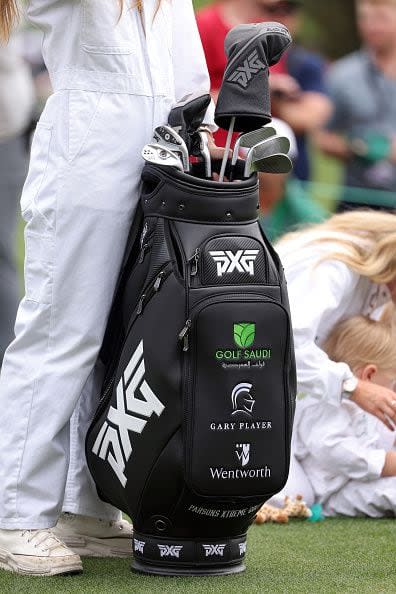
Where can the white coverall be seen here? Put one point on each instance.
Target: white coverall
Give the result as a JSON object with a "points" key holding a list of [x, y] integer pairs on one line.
{"points": [[321, 294], [114, 81], [342, 450]]}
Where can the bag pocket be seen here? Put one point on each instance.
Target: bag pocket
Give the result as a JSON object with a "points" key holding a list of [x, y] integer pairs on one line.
{"points": [[229, 260], [238, 409], [104, 30]]}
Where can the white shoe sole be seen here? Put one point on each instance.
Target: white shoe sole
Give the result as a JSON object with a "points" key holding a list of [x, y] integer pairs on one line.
{"points": [[87, 546], [39, 566]]}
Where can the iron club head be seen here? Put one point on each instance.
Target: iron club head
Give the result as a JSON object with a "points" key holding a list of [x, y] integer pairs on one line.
{"points": [[271, 146], [170, 139], [160, 155], [278, 163], [250, 139]]}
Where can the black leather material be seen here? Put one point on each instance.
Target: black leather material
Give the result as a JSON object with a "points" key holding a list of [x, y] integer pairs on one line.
{"points": [[173, 194], [244, 93], [193, 427]]}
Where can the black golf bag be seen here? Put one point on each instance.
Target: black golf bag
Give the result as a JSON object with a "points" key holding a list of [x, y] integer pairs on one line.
{"points": [[192, 433]]}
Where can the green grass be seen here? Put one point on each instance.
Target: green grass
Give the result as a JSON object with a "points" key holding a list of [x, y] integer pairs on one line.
{"points": [[335, 556]]}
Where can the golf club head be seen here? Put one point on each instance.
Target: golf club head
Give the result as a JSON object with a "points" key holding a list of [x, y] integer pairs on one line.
{"points": [[188, 114], [159, 155], [244, 94], [265, 149], [170, 139], [250, 139], [206, 154], [272, 146], [199, 148], [278, 163]]}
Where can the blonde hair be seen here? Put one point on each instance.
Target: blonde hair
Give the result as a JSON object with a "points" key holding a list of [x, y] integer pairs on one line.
{"points": [[367, 240], [376, 2], [359, 341], [9, 14]]}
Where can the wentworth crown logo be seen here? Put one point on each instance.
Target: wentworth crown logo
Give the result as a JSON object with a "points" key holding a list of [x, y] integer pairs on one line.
{"points": [[243, 453], [244, 334], [243, 75]]}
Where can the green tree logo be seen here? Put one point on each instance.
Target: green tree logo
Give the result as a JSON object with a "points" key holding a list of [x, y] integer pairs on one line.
{"points": [[244, 334]]}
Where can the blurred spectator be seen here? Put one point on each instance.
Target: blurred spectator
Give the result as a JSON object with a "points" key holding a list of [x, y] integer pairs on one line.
{"points": [[16, 105], [362, 131], [296, 82], [347, 454], [341, 268]]}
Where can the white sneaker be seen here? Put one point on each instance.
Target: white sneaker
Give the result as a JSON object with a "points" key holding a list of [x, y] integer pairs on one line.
{"points": [[36, 552], [92, 537]]}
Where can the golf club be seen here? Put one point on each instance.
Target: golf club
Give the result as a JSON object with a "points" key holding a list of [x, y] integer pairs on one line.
{"points": [[159, 155], [199, 148], [266, 148], [170, 139], [278, 163], [188, 114], [248, 140]]}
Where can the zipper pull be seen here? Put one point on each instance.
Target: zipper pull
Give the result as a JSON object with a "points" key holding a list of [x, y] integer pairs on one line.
{"points": [[158, 281], [140, 305], [144, 233], [183, 336], [143, 252], [194, 265]]}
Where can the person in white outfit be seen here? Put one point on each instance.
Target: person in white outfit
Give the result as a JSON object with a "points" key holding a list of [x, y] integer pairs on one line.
{"points": [[343, 267], [348, 454], [116, 69], [17, 99]]}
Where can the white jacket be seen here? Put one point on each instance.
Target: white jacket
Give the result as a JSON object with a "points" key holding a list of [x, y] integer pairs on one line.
{"points": [[337, 443], [321, 294], [88, 45]]}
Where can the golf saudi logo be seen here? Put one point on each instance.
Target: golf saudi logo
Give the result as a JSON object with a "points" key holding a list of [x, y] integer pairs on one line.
{"points": [[244, 357], [244, 334]]}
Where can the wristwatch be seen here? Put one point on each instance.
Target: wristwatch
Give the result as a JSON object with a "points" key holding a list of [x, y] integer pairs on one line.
{"points": [[349, 386]]}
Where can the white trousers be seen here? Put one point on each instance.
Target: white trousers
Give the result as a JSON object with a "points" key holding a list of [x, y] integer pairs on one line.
{"points": [[376, 499], [78, 202]]}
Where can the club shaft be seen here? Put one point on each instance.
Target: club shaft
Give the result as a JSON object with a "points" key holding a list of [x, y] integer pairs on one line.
{"points": [[227, 149]]}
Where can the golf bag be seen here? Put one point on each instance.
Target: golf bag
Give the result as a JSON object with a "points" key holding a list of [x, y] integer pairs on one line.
{"points": [[192, 433]]}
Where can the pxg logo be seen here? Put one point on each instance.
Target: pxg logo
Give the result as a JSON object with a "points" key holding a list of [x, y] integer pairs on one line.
{"points": [[244, 74]]}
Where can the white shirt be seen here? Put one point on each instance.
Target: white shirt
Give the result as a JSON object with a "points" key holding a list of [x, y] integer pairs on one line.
{"points": [[336, 443], [88, 45], [321, 294]]}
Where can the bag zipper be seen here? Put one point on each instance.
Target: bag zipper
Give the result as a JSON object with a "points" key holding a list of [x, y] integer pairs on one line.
{"points": [[152, 288]]}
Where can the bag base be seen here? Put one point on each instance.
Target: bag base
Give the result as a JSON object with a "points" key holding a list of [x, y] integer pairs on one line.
{"points": [[180, 557]]}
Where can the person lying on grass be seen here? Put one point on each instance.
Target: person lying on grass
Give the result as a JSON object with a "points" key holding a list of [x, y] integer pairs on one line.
{"points": [[347, 453]]}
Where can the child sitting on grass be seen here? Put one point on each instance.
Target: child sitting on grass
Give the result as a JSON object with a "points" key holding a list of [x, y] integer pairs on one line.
{"points": [[348, 454]]}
